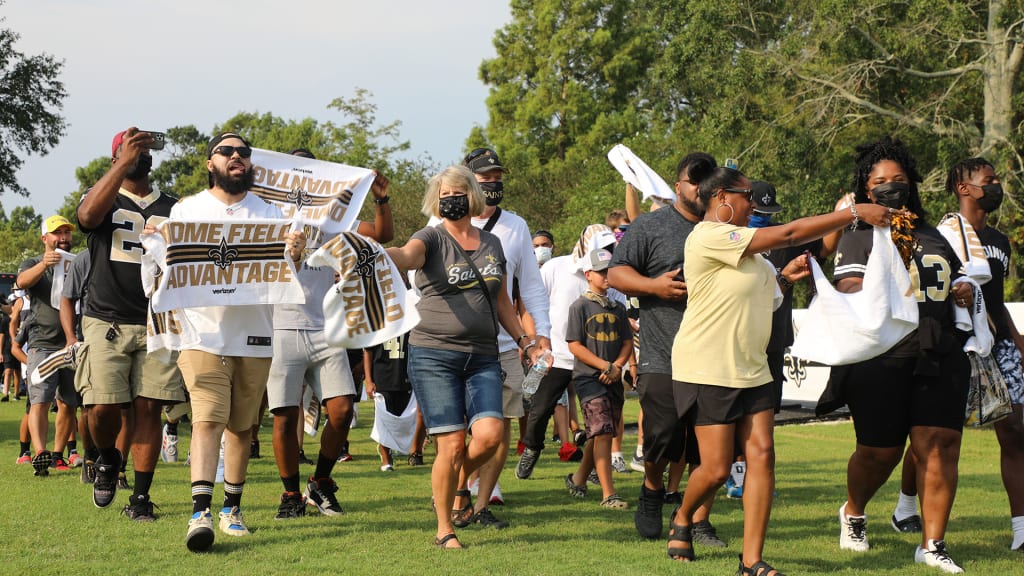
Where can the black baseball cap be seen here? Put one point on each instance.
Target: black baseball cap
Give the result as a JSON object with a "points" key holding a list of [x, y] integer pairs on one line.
{"points": [[483, 160], [764, 197]]}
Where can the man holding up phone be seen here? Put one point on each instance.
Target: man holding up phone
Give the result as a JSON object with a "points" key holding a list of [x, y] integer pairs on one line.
{"points": [[115, 371]]}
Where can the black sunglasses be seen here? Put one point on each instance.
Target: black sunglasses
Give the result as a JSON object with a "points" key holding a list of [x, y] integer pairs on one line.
{"points": [[748, 192], [229, 151], [475, 154]]}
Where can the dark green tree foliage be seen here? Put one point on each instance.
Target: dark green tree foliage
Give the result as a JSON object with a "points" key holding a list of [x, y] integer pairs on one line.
{"points": [[31, 96]]}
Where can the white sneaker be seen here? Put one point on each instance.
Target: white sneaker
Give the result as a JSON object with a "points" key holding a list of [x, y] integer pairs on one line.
{"points": [[637, 461], [937, 556], [474, 486], [496, 497], [231, 522], [199, 536], [619, 465], [387, 468], [169, 447], [853, 531]]}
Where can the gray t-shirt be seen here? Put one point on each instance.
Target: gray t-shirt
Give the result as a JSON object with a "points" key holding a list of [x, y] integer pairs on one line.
{"points": [[602, 331], [454, 312], [75, 288], [45, 332], [654, 244], [315, 282]]}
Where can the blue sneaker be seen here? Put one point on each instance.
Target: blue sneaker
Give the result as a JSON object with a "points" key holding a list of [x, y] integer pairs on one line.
{"points": [[199, 537], [732, 490]]}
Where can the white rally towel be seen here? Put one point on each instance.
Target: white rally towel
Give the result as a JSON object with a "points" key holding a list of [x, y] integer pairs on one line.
{"points": [[67, 357], [310, 412], [323, 194], [394, 432], [974, 320], [965, 242], [59, 272], [369, 304], [639, 174], [841, 328], [210, 263]]}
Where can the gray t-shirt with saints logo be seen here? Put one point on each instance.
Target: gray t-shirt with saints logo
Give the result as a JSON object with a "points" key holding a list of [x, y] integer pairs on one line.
{"points": [[454, 313]]}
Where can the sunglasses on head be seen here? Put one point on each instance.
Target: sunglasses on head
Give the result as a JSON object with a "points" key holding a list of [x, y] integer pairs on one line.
{"points": [[748, 192], [229, 151], [476, 154]]}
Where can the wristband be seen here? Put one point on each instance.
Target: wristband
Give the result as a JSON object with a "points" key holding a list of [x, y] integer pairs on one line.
{"points": [[382, 201], [856, 217], [783, 282], [520, 339], [607, 370]]}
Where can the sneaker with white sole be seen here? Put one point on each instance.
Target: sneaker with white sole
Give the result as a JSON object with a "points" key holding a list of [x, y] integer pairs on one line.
{"points": [[199, 536], [526, 463], [853, 531], [909, 525], [232, 523], [637, 463], [320, 493], [168, 446], [937, 556], [619, 465], [496, 498]]}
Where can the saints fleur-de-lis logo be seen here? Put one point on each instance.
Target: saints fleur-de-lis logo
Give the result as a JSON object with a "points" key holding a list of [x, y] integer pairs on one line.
{"points": [[299, 197], [364, 261], [491, 259], [766, 199], [222, 255]]}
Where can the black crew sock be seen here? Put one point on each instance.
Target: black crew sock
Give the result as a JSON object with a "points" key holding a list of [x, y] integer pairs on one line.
{"points": [[202, 495], [25, 447], [143, 480], [110, 456], [232, 494], [291, 483], [92, 454], [324, 466], [72, 446]]}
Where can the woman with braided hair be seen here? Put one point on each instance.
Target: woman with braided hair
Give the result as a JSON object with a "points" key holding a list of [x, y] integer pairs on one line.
{"points": [[918, 388]]}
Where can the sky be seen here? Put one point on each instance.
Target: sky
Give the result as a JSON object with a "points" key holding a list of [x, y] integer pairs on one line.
{"points": [[157, 64]]}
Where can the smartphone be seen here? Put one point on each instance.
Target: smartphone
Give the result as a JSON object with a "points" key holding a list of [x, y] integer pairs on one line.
{"points": [[159, 139], [732, 163]]}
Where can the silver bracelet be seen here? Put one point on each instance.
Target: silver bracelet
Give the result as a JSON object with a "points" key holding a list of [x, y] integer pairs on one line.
{"points": [[856, 217]]}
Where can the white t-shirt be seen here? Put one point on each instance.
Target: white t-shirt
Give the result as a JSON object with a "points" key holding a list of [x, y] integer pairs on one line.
{"points": [[229, 330], [565, 283], [521, 263]]}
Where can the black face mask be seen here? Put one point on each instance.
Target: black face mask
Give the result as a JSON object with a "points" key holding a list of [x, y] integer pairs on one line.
{"points": [[493, 192], [141, 169], [892, 194], [991, 197], [453, 207]]}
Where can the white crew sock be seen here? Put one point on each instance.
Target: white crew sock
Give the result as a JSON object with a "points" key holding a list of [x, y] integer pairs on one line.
{"points": [[639, 454], [738, 473], [616, 455], [1017, 522], [905, 507]]}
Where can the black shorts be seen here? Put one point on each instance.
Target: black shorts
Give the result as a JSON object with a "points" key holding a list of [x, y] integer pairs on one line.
{"points": [[711, 405], [664, 428], [12, 363], [887, 399]]}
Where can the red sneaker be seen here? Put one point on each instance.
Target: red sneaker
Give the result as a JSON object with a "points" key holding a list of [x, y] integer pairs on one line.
{"points": [[60, 464], [566, 451]]}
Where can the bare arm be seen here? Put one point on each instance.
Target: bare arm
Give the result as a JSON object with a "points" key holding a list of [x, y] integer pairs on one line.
{"points": [[383, 229], [371, 388], [67, 319], [509, 320], [667, 286], [804, 230], [101, 197], [31, 276], [412, 256], [632, 202]]}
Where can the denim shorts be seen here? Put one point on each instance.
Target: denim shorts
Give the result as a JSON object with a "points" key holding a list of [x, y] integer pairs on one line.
{"points": [[454, 389]]}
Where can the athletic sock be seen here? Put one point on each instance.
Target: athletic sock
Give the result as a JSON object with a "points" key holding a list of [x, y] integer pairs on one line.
{"points": [[232, 494], [92, 454], [25, 447], [324, 466], [616, 455], [906, 507], [1017, 522], [109, 455], [639, 453], [291, 483], [72, 447], [143, 480], [172, 428], [202, 495]]}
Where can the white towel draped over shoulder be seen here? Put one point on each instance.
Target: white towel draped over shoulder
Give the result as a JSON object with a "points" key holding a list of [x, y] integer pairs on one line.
{"points": [[842, 328], [965, 242], [639, 174]]}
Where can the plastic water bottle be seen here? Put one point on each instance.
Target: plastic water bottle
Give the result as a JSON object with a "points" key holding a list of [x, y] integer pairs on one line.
{"points": [[536, 372], [220, 463]]}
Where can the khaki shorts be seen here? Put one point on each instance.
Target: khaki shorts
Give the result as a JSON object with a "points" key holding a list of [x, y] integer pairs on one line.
{"points": [[119, 370], [224, 389], [512, 386]]}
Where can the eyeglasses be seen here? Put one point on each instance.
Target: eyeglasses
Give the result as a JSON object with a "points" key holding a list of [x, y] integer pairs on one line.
{"points": [[229, 151], [748, 192]]}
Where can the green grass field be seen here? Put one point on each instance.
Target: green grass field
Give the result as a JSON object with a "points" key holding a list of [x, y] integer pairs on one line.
{"points": [[49, 525]]}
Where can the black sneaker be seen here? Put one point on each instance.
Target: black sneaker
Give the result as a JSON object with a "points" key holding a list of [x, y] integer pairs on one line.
{"points": [[909, 525], [139, 508], [526, 463], [254, 448], [416, 459], [321, 494], [41, 463], [293, 505], [705, 534], [88, 472], [122, 481], [648, 518], [104, 488], [488, 520], [304, 460], [673, 498], [344, 456]]}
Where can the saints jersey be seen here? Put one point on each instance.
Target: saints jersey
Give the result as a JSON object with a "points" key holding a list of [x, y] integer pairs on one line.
{"points": [[997, 250], [933, 268], [115, 282]]}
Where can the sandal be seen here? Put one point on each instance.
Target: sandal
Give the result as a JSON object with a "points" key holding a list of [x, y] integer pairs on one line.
{"points": [[443, 542], [614, 501], [462, 517], [760, 568], [683, 534]]}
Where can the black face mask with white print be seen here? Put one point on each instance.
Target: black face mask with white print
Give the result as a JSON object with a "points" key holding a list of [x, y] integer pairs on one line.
{"points": [[493, 192], [453, 207]]}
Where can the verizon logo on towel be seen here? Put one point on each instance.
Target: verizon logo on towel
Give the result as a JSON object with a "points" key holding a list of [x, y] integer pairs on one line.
{"points": [[322, 194], [370, 304], [204, 263]]}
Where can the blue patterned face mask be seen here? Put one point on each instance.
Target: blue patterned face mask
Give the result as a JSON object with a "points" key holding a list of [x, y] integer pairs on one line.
{"points": [[758, 220]]}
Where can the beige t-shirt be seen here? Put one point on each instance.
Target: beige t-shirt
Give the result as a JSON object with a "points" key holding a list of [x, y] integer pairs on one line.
{"points": [[728, 320]]}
